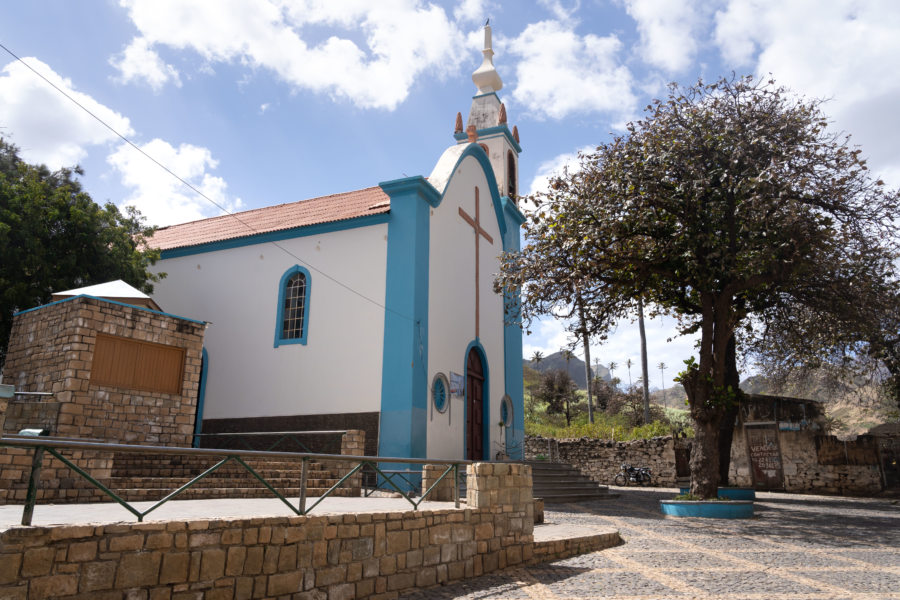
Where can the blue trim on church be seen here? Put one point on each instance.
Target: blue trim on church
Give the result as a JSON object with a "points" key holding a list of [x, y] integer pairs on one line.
{"points": [[404, 380], [478, 153], [485, 400], [512, 340], [490, 132], [276, 236], [279, 318]]}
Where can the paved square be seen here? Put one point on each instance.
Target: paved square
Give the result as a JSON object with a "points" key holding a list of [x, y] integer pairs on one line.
{"points": [[796, 548]]}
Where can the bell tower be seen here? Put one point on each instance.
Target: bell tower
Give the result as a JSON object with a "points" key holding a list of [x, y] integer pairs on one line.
{"points": [[487, 124]]}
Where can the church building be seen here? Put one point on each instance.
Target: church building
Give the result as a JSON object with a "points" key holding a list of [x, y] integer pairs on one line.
{"points": [[372, 309]]}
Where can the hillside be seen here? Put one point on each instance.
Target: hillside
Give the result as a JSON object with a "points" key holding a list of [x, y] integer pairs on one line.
{"points": [[576, 368]]}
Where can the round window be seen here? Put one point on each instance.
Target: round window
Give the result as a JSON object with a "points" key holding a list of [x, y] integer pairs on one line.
{"points": [[506, 410], [440, 392]]}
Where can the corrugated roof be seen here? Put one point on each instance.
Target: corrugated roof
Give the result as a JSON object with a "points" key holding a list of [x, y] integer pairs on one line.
{"points": [[325, 209]]}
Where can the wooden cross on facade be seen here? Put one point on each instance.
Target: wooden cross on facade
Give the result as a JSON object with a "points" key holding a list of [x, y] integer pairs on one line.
{"points": [[479, 231]]}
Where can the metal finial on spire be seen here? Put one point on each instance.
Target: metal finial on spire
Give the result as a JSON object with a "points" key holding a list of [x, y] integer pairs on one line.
{"points": [[488, 22]]}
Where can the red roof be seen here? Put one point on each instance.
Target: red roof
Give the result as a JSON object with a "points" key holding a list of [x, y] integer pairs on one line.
{"points": [[325, 209]]}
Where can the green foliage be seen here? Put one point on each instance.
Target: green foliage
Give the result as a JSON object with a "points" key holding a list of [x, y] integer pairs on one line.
{"points": [[605, 427], [53, 237], [557, 391]]}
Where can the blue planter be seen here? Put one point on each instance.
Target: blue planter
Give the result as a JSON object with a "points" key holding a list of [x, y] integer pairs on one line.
{"points": [[730, 493], [710, 509]]}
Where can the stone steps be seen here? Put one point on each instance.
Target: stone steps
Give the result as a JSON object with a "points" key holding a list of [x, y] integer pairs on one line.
{"points": [[146, 476], [560, 482]]}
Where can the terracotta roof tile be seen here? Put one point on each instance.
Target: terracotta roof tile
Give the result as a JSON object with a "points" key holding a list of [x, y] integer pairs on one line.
{"points": [[325, 209]]}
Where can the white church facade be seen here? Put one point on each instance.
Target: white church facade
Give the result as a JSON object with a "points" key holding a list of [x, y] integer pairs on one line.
{"points": [[373, 309]]}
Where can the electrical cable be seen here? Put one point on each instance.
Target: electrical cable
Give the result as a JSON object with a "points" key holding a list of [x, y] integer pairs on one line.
{"points": [[200, 193]]}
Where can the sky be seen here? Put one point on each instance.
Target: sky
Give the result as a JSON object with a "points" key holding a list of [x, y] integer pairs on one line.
{"points": [[262, 102]]}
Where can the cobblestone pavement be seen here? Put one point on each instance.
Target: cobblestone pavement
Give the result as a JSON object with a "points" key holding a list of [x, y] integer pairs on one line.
{"points": [[796, 548]]}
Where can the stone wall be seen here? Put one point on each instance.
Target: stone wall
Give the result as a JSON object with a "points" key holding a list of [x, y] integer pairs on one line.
{"points": [[601, 460], [443, 492], [803, 471], [51, 349], [325, 557]]}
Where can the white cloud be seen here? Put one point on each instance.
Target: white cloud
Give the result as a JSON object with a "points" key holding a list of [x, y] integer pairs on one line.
{"points": [[402, 40], [139, 62], [48, 127], [561, 73], [668, 31], [555, 166], [562, 11], [471, 11], [160, 197], [833, 49]]}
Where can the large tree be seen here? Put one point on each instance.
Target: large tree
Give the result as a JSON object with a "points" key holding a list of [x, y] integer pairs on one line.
{"points": [[726, 197], [848, 341], [53, 237]]}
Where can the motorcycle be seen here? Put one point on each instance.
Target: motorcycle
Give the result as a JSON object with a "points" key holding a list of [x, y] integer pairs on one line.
{"points": [[636, 475]]}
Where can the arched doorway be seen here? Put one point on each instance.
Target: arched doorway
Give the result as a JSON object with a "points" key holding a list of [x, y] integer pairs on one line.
{"points": [[474, 406]]}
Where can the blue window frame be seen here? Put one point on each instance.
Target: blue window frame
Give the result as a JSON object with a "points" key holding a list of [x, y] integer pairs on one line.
{"points": [[292, 321]]}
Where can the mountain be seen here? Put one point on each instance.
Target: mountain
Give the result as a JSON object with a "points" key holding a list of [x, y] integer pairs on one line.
{"points": [[576, 367]]}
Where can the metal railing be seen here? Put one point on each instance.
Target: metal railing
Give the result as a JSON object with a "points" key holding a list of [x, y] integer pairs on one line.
{"points": [[54, 446], [251, 440]]}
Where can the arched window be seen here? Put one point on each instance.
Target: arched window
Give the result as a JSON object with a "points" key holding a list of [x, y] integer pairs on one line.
{"points": [[292, 323], [510, 174]]}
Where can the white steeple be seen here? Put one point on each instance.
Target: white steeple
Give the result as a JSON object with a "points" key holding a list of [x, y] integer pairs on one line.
{"points": [[486, 77], [487, 124]]}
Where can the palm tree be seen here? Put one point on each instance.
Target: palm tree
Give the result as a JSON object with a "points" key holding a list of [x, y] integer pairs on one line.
{"points": [[536, 358], [612, 369], [628, 364], [662, 378]]}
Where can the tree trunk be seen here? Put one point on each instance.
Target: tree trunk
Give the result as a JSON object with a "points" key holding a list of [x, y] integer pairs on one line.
{"points": [[726, 431], [701, 383], [644, 370], [705, 459], [587, 358]]}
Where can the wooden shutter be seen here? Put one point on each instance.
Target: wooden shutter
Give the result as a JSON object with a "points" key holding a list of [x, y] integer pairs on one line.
{"points": [[137, 365]]}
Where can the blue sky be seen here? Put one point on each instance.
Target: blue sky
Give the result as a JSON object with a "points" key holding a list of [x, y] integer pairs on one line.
{"points": [[261, 102]]}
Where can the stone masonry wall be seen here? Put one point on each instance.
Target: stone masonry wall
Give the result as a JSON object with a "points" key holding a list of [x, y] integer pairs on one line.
{"points": [[51, 350], [443, 492], [327, 557], [601, 460], [802, 471]]}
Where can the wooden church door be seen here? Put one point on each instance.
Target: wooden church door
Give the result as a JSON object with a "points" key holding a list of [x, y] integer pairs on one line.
{"points": [[474, 406]]}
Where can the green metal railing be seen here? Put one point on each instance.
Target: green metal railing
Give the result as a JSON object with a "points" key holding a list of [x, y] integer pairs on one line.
{"points": [[251, 440], [53, 447]]}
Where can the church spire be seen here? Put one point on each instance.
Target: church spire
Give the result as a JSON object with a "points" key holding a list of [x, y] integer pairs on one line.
{"points": [[485, 77], [488, 125]]}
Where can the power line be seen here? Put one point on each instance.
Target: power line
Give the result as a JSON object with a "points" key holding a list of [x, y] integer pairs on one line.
{"points": [[197, 191]]}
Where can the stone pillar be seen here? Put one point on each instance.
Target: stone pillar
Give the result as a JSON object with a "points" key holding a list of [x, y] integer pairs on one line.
{"points": [[444, 490], [506, 486], [6, 392], [353, 443]]}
